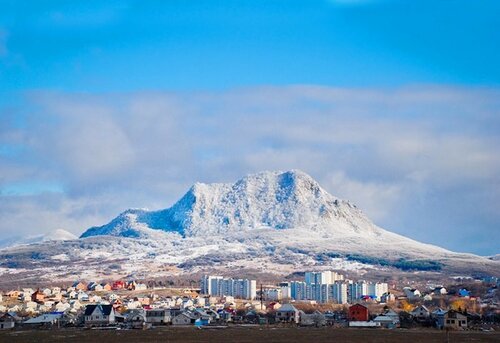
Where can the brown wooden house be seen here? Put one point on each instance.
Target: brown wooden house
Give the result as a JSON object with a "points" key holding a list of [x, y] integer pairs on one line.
{"points": [[358, 313]]}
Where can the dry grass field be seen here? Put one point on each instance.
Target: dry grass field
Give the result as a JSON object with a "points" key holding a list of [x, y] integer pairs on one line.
{"points": [[247, 334]]}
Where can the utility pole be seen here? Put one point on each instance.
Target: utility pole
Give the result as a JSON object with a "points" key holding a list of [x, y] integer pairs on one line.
{"points": [[261, 298]]}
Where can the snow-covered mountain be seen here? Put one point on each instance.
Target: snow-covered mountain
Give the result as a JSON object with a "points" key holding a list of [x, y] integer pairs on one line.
{"points": [[270, 222], [274, 203], [277, 200]]}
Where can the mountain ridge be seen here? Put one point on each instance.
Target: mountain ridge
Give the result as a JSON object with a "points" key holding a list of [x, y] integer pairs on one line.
{"points": [[274, 199]]}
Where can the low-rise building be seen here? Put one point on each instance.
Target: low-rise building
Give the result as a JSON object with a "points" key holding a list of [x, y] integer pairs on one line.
{"points": [[455, 320], [97, 315], [288, 313], [7, 321], [158, 316], [184, 318], [421, 313], [358, 313]]}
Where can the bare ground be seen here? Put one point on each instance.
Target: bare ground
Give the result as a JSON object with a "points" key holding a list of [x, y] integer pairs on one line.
{"points": [[247, 334]]}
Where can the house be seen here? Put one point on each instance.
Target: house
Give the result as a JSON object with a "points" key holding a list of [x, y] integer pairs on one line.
{"points": [[80, 286], [38, 296], [389, 319], [62, 306], [226, 315], [31, 306], [7, 321], [201, 322], [427, 297], [158, 316], [183, 318], [136, 318], [143, 300], [455, 320], [288, 314], [386, 321], [438, 315], [96, 315], [117, 304], [13, 294], [274, 306], [313, 319], [141, 287], [75, 304], [387, 298], [412, 293], [82, 296], [358, 313], [463, 293], [440, 291], [131, 285], [45, 320], [118, 285], [106, 287], [421, 313]]}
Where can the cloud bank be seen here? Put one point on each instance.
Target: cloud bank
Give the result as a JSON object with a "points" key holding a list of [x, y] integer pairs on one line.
{"points": [[421, 161]]}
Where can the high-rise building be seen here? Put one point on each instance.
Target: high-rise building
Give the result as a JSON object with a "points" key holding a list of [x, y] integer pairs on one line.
{"points": [[298, 290], [219, 286], [317, 285], [360, 289], [337, 292]]}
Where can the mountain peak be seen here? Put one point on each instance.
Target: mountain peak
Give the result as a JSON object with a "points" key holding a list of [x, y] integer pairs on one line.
{"points": [[269, 199]]}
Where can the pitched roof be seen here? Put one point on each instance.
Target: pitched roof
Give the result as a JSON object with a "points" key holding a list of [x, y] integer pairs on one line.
{"points": [[357, 305], [45, 318], [105, 309], [287, 308]]}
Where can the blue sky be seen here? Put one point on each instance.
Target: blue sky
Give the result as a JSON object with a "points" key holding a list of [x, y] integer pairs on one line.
{"points": [[129, 45], [391, 104]]}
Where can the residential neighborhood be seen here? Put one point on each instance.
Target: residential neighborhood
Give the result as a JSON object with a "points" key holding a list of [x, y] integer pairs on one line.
{"points": [[322, 299]]}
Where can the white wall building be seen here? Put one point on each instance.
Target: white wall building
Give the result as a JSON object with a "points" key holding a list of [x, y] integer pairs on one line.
{"points": [[219, 286]]}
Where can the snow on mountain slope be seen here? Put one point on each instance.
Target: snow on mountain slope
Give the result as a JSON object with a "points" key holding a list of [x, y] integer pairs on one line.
{"points": [[277, 201], [271, 199]]}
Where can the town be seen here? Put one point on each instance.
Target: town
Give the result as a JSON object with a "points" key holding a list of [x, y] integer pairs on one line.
{"points": [[320, 299]]}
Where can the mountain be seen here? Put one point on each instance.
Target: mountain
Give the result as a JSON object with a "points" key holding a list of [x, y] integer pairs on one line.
{"points": [[276, 203], [265, 223], [56, 235], [270, 199]]}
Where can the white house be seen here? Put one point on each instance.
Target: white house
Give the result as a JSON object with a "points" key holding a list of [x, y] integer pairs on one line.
{"points": [[7, 321], [412, 293], [96, 315], [82, 296], [62, 307], [440, 291], [288, 313], [183, 318], [421, 312], [158, 316]]}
